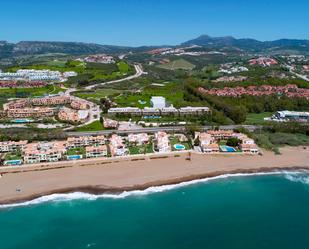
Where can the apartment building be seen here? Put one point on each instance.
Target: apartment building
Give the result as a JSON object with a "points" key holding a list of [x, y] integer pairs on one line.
{"points": [[116, 145], [109, 123], [162, 143], [74, 142], [38, 112], [165, 111], [221, 134], [9, 146], [44, 152], [96, 151], [138, 139], [189, 110], [80, 104], [50, 101], [70, 115], [125, 110], [207, 143]]}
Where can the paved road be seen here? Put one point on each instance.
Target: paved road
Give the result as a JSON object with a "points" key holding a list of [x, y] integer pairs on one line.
{"points": [[139, 72], [155, 129], [301, 76]]}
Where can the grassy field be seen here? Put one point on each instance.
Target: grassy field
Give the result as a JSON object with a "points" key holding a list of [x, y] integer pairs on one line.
{"points": [[94, 126], [173, 92], [86, 71], [257, 118], [178, 64], [97, 94]]}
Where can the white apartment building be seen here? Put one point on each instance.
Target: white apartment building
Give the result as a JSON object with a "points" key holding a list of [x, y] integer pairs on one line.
{"points": [[9, 146], [74, 142], [96, 151]]}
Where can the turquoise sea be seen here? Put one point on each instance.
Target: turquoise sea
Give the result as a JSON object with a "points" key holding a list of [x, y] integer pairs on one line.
{"points": [[252, 212]]}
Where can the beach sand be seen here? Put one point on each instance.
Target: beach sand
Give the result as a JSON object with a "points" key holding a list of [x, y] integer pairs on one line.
{"points": [[97, 176]]}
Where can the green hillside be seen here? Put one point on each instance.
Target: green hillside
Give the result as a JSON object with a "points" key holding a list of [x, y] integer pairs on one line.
{"points": [[178, 64]]}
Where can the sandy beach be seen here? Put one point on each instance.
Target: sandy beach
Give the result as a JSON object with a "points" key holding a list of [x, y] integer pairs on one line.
{"points": [[99, 176]]}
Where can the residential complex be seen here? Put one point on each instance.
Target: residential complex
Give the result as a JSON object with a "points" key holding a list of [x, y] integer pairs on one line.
{"points": [[74, 148], [263, 61], [100, 58], [48, 107], [209, 142], [22, 84], [291, 91], [159, 111], [44, 152], [36, 75]]}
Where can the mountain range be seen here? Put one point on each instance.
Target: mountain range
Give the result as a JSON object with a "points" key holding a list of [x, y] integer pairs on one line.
{"points": [[9, 50], [249, 44]]}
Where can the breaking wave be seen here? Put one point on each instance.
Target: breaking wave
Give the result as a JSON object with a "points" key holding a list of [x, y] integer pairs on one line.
{"points": [[150, 190], [300, 176]]}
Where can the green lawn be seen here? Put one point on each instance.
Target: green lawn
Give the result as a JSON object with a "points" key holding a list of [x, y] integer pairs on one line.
{"points": [[135, 150], [76, 151], [12, 156], [123, 67], [257, 118], [94, 126], [173, 92], [97, 94], [175, 140], [178, 64], [86, 71]]}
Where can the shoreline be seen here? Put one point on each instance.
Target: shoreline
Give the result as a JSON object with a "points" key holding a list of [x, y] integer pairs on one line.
{"points": [[117, 191], [120, 176]]}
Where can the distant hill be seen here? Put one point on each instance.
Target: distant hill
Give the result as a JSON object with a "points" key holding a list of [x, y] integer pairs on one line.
{"points": [[249, 44], [37, 47]]}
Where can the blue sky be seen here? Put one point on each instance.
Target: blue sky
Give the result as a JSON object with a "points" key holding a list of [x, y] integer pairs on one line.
{"points": [[141, 22]]}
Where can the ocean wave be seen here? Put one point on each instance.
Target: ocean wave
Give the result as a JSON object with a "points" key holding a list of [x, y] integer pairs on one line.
{"points": [[150, 190], [299, 176]]}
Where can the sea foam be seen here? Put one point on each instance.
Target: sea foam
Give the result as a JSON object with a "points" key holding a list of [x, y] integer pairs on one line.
{"points": [[299, 176], [91, 197]]}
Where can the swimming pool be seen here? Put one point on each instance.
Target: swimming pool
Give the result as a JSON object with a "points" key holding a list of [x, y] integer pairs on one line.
{"points": [[150, 117], [179, 146], [74, 157], [225, 148], [20, 121]]}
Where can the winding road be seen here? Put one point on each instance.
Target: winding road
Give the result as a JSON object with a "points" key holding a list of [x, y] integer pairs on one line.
{"points": [[139, 72]]}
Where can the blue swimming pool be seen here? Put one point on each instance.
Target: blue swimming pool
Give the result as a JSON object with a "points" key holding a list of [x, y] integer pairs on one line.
{"points": [[74, 157], [225, 148], [151, 117], [179, 146], [20, 121]]}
